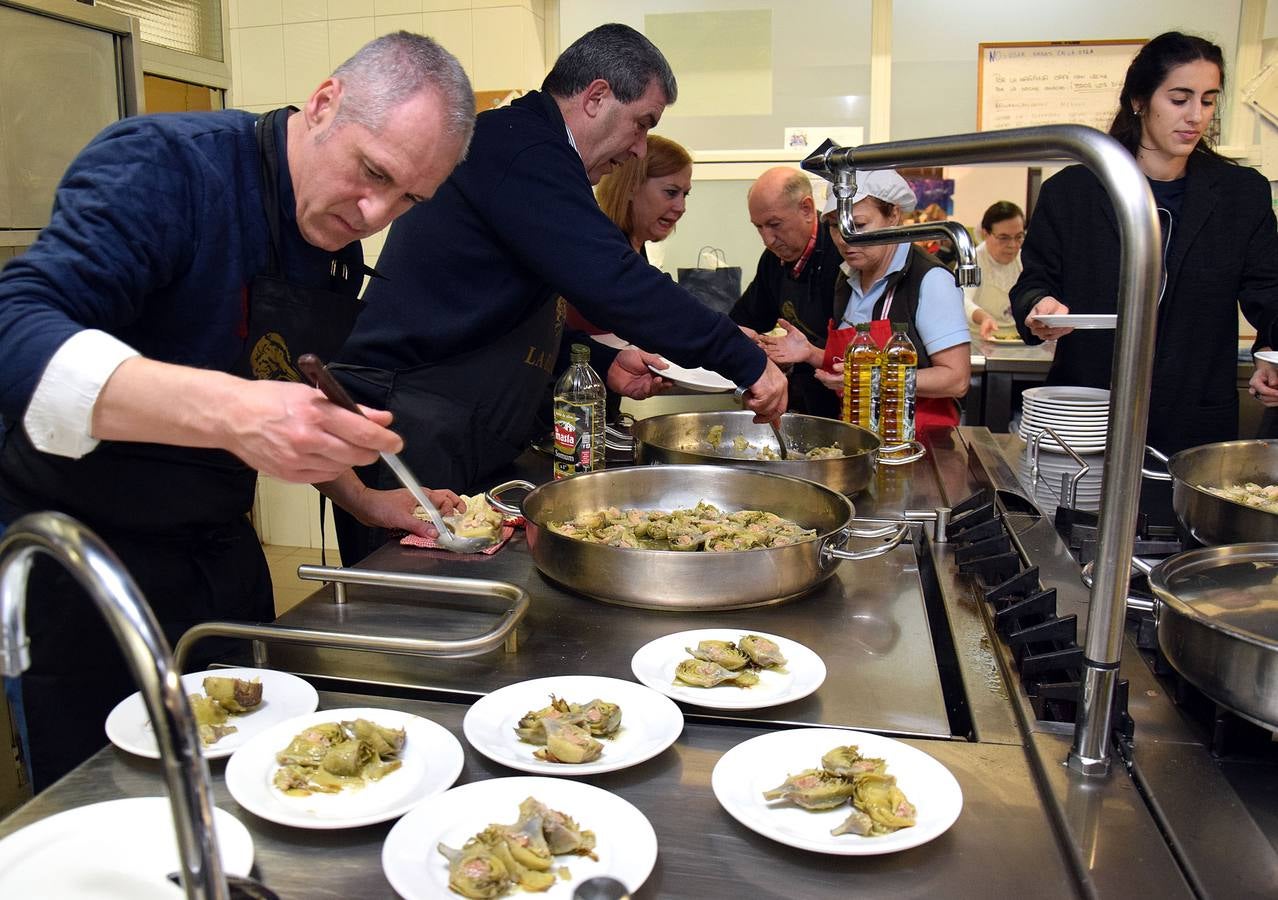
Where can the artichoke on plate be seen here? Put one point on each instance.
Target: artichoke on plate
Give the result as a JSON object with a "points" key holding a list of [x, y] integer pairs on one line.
{"points": [[475, 871], [725, 653], [700, 673], [237, 695], [568, 743], [763, 652], [812, 789]]}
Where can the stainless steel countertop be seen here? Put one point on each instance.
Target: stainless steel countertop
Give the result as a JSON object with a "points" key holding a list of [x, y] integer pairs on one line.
{"points": [[1002, 844], [868, 623]]}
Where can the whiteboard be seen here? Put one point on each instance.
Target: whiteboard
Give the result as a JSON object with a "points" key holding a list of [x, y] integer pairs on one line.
{"points": [[1051, 83]]}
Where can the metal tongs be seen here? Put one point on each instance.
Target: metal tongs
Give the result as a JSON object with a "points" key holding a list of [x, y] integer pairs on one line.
{"points": [[315, 370]]}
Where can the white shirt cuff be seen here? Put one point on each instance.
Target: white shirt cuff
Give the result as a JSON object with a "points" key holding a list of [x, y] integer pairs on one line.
{"points": [[59, 419]]}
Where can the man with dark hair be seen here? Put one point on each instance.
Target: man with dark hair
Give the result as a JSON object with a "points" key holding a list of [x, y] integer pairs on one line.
{"points": [[988, 307], [186, 255], [461, 337], [793, 286]]}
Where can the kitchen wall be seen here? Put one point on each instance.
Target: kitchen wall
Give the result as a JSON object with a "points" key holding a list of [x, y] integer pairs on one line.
{"points": [[281, 49]]}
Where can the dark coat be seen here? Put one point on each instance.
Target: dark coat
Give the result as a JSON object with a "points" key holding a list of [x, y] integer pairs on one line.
{"points": [[1223, 252], [762, 304]]}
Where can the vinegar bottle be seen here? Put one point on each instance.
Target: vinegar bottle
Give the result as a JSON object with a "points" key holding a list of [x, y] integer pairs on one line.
{"points": [[900, 366], [861, 373], [579, 417]]}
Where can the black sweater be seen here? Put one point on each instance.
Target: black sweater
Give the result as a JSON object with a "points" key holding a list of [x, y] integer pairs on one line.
{"points": [[516, 221], [1223, 251]]}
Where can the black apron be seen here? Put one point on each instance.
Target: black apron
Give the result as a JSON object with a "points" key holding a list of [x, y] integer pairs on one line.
{"points": [[463, 419], [176, 517]]}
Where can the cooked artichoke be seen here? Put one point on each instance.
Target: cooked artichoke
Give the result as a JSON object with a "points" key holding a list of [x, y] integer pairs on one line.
{"points": [[562, 834], [776, 332], [762, 652], [384, 741], [235, 695], [568, 743], [879, 798], [602, 718], [479, 520], [812, 789], [849, 763], [331, 756], [475, 871], [725, 653], [700, 673], [857, 822], [530, 878], [531, 728]]}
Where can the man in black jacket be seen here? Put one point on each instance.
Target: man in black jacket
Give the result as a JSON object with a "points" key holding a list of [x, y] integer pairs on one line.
{"points": [[795, 279], [460, 338]]}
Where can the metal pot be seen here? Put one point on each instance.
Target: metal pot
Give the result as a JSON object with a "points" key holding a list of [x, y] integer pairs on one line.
{"points": [[1210, 519], [681, 438], [1218, 624], [664, 579]]}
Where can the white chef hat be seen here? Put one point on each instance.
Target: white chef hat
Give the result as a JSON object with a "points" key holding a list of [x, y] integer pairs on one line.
{"points": [[885, 184]]}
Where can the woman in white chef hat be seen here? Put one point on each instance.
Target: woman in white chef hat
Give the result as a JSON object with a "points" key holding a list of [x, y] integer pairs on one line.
{"points": [[888, 283]]}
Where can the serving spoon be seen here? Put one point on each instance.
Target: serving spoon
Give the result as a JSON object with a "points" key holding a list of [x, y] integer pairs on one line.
{"points": [[315, 370]]}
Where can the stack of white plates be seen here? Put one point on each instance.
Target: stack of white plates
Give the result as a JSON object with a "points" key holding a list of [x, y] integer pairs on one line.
{"points": [[1047, 489], [1080, 415]]}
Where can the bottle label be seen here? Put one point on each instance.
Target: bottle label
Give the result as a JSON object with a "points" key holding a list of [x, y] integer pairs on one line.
{"points": [[573, 428]]}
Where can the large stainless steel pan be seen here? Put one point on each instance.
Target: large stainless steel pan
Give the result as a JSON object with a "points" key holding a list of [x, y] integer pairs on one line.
{"points": [[1211, 519], [1218, 624], [663, 579], [681, 438]]}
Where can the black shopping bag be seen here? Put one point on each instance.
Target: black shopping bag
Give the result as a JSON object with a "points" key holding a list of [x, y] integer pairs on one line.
{"points": [[713, 282]]}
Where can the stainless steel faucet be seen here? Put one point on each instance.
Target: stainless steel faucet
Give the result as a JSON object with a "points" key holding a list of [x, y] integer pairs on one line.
{"points": [[133, 624], [966, 274], [1140, 272]]}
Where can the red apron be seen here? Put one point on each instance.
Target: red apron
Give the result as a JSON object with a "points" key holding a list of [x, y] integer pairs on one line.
{"points": [[928, 411]]}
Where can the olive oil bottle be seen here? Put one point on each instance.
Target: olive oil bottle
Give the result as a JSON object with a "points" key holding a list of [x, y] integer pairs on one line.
{"points": [[900, 367], [861, 373], [579, 417]]}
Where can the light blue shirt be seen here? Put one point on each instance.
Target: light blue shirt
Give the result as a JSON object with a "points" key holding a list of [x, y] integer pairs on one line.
{"points": [[940, 321]]}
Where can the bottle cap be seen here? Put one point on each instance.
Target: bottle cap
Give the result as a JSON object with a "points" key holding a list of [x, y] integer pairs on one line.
{"points": [[580, 353], [862, 326], [900, 327]]}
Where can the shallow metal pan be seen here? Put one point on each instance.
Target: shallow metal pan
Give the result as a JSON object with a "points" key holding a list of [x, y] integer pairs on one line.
{"points": [[1210, 519], [664, 579], [681, 438], [1218, 624]]}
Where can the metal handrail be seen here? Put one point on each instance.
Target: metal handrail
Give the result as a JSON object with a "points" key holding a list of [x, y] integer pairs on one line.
{"points": [[1140, 272], [502, 633]]}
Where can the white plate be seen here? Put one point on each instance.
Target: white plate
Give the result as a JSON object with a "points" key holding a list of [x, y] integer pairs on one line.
{"points": [[121, 848], [608, 339], [649, 723], [1079, 321], [432, 760], [1066, 395], [1066, 425], [760, 764], [695, 379], [283, 697], [654, 664], [1048, 445], [624, 840]]}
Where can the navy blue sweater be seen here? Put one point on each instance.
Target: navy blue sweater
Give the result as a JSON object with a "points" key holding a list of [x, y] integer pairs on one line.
{"points": [[516, 222], [156, 229]]}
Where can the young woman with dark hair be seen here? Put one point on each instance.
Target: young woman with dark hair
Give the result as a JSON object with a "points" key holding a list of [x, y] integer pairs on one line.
{"points": [[1220, 250]]}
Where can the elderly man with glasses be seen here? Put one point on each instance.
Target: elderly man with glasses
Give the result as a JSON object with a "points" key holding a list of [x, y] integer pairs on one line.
{"points": [[989, 310]]}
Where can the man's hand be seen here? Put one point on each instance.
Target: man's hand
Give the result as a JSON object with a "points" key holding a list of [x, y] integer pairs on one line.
{"points": [[791, 349], [1048, 306], [630, 376], [291, 431], [388, 509], [286, 430], [1264, 383], [768, 396]]}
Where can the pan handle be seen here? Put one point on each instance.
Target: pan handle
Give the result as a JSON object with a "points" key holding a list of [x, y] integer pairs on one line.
{"points": [[829, 551], [1154, 474], [918, 451], [496, 491]]}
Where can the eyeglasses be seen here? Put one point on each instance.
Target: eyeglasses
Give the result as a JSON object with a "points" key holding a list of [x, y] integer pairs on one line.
{"points": [[1009, 238]]}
